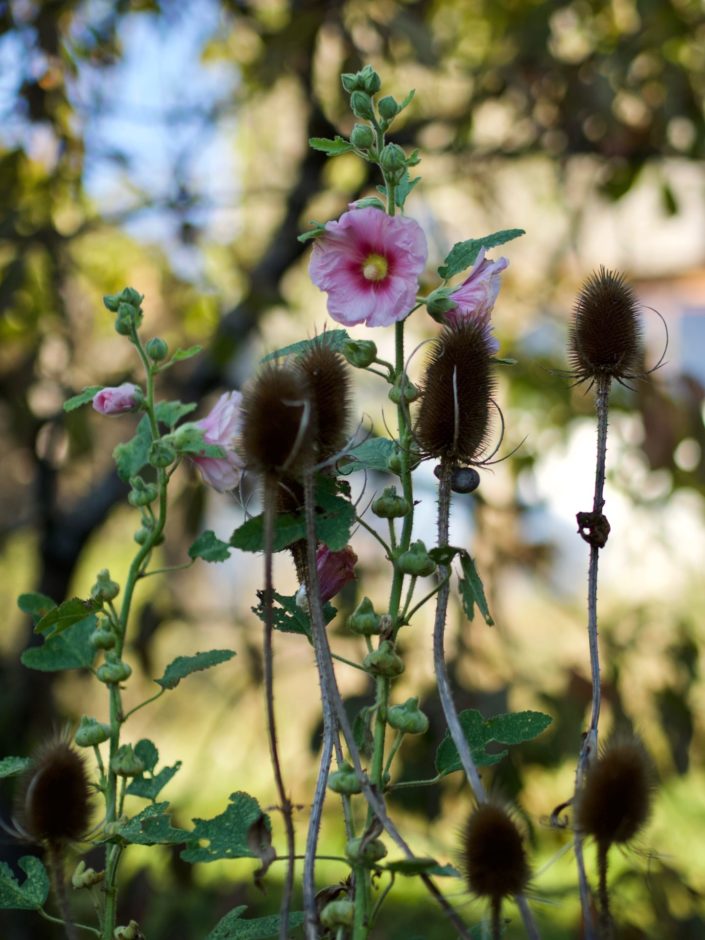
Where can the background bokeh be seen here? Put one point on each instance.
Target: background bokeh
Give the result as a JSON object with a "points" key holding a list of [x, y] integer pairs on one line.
{"points": [[164, 145]]}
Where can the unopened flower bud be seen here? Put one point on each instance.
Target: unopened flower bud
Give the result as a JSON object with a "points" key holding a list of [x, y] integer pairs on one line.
{"points": [[408, 717], [126, 763], [104, 589], [440, 303], [131, 932], [361, 850], [162, 453], [350, 82], [102, 639], [113, 672], [127, 296], [389, 505], [384, 661], [344, 780], [360, 353], [403, 390], [388, 108], [363, 620], [91, 732], [362, 136], [338, 914], [118, 399], [416, 561], [157, 349], [393, 161], [141, 494], [361, 105], [85, 877], [369, 80]]}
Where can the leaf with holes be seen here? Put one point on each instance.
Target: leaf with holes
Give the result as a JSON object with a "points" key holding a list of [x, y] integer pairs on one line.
{"points": [[31, 894], [232, 927], [228, 835], [511, 728], [150, 827]]}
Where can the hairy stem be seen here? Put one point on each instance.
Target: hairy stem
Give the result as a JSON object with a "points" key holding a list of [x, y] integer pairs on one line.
{"points": [[603, 894], [55, 863], [314, 827]]}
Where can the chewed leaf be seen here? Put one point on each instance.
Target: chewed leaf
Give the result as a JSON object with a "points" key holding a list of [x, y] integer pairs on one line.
{"points": [[334, 339], [232, 927], [12, 766], [511, 728], [88, 394], [210, 548], [31, 894], [151, 827], [227, 835], [183, 666], [464, 254]]}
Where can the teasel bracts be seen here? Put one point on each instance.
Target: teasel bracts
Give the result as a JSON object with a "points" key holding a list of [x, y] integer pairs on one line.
{"points": [[494, 858], [453, 417], [55, 806], [606, 337], [328, 379]]}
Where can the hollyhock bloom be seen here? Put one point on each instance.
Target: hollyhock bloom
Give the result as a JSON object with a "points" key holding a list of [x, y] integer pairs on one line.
{"points": [[476, 296], [222, 427], [369, 265], [334, 569], [118, 399]]}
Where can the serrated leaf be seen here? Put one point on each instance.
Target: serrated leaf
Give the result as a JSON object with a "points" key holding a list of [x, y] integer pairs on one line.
{"points": [[181, 354], [31, 894], [60, 618], [512, 728], [12, 766], [72, 649], [169, 412], [150, 786], [444, 554], [189, 439], [183, 666], [151, 827], [35, 605], [372, 454], [227, 835], [288, 616], [87, 395], [333, 339], [131, 456], [210, 548], [331, 148], [472, 591], [232, 927], [289, 528], [404, 187], [464, 254]]}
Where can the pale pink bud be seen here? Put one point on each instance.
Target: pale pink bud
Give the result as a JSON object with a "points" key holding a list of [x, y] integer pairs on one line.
{"points": [[118, 400]]}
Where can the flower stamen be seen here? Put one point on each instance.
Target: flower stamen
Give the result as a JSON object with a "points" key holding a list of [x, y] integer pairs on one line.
{"points": [[375, 267]]}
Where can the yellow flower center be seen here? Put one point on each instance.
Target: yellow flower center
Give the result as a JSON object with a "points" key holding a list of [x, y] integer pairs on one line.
{"points": [[375, 268]]}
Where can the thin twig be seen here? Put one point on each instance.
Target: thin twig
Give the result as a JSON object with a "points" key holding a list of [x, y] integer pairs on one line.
{"points": [[314, 827]]}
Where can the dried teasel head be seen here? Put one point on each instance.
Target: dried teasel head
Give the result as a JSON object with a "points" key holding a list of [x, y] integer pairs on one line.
{"points": [[493, 854], [328, 379], [606, 337], [614, 802], [54, 805], [453, 416], [278, 425]]}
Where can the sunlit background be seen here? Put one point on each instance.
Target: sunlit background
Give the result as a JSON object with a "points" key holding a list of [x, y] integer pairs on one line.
{"points": [[164, 145]]}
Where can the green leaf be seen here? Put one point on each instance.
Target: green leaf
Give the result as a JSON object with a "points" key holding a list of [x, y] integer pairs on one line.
{"points": [[149, 785], [369, 202], [404, 187], [72, 649], [60, 618], [330, 147], [189, 439], [288, 616], [317, 230], [412, 866], [334, 339], [35, 605], [88, 394], [407, 101], [151, 827], [471, 590], [464, 254], [444, 554], [210, 548], [147, 752], [131, 456], [229, 835], [289, 528], [32, 893], [231, 927], [12, 766], [183, 666], [182, 354], [512, 728], [372, 454], [503, 362], [169, 412]]}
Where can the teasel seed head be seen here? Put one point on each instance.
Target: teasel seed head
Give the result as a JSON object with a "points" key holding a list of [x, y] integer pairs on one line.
{"points": [[453, 417], [493, 854], [55, 796], [278, 426], [614, 802], [329, 382], [605, 338]]}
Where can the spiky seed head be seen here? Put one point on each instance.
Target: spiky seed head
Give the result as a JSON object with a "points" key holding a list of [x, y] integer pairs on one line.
{"points": [[493, 853], [329, 382], [278, 426], [605, 338], [615, 800], [55, 796], [453, 417]]}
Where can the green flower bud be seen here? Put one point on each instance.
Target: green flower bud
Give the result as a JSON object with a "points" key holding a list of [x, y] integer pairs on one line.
{"points": [[369, 80], [85, 877], [362, 136], [384, 661], [126, 763], [338, 914], [344, 780], [91, 732], [439, 303], [389, 505], [141, 494], [102, 639], [114, 672], [371, 852], [393, 162], [130, 312], [403, 390], [416, 561], [360, 353], [156, 349], [363, 620], [408, 717], [141, 535], [162, 453], [350, 82], [361, 105], [387, 107], [104, 589], [131, 932]]}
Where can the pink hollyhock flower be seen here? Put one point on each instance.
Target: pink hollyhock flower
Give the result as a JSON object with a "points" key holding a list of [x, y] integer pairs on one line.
{"points": [[369, 265], [334, 569], [118, 399], [476, 296], [222, 427]]}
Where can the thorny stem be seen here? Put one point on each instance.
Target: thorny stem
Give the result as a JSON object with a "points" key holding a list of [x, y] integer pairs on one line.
{"points": [[444, 691], [284, 801], [314, 827], [55, 862], [590, 741]]}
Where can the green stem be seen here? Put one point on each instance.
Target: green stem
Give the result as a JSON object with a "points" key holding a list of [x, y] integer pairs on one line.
{"points": [[406, 784], [57, 920], [147, 701], [396, 744]]}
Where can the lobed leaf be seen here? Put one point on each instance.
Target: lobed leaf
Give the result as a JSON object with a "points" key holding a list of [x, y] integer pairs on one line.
{"points": [[151, 827], [87, 395], [60, 618], [334, 339], [331, 148], [512, 728], [183, 666], [36, 605], [464, 254], [32, 893], [372, 454], [209, 547], [229, 834], [472, 591], [232, 927], [169, 412], [71, 649], [131, 456]]}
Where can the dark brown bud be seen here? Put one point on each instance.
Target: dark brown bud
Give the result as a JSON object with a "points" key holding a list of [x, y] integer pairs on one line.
{"points": [[453, 417], [493, 854], [328, 380], [55, 805], [605, 338], [278, 426]]}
